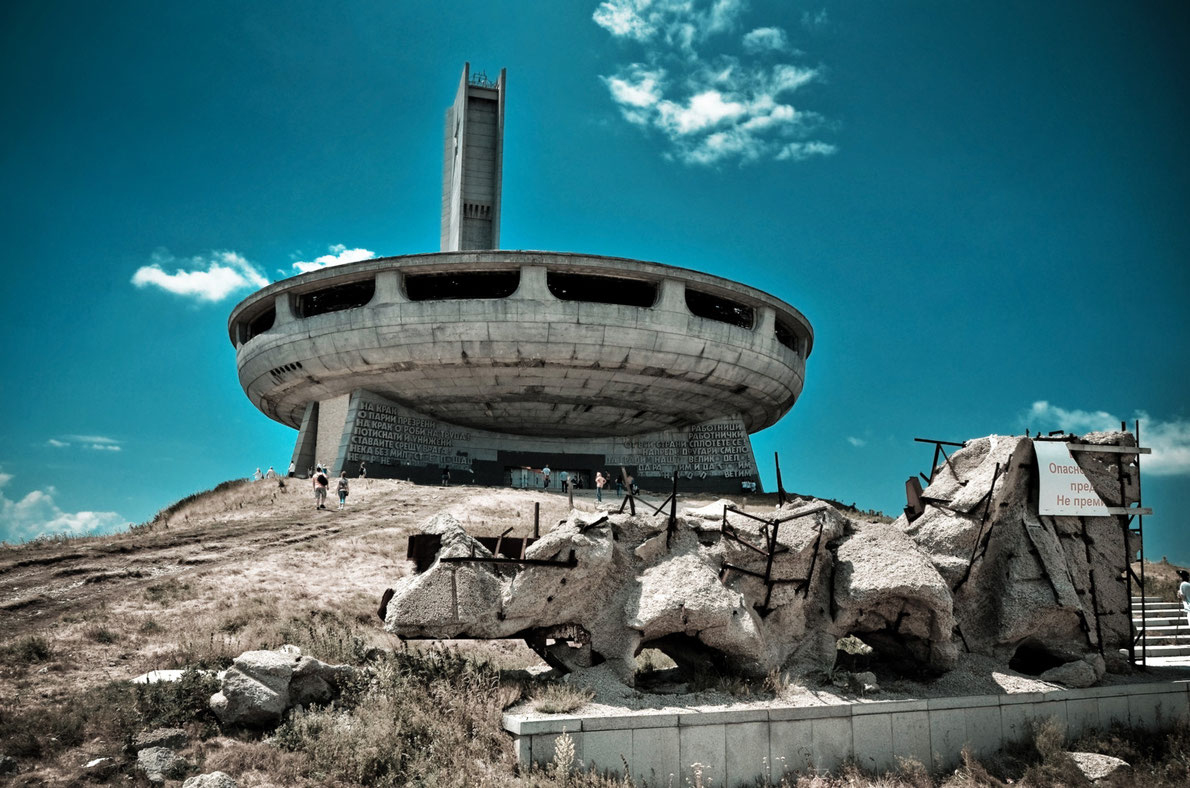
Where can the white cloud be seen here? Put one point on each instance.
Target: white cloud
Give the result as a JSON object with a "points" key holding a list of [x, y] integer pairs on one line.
{"points": [[678, 23], [723, 108], [210, 278], [800, 151], [339, 254], [638, 86], [1169, 440], [700, 112], [35, 514], [857, 442], [766, 39], [93, 442]]}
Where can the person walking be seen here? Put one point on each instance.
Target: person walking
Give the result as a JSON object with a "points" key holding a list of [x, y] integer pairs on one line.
{"points": [[270, 473], [292, 469], [320, 485], [257, 476], [1184, 592], [445, 476], [342, 490], [600, 480], [363, 470], [545, 475], [564, 479]]}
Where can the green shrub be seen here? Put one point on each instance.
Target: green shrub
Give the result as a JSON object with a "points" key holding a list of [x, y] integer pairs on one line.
{"points": [[31, 648], [431, 718], [100, 634], [177, 703], [327, 635]]}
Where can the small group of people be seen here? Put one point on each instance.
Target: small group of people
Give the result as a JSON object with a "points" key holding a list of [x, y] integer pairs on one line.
{"points": [[322, 484], [269, 474]]}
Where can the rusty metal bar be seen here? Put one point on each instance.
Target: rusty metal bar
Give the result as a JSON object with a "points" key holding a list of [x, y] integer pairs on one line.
{"points": [[780, 486], [671, 527], [537, 519], [569, 563], [753, 573]]}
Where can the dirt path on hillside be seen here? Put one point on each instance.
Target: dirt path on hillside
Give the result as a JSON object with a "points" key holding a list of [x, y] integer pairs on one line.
{"points": [[232, 529]]}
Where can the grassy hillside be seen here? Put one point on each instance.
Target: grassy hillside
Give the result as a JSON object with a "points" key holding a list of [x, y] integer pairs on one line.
{"points": [[253, 565]]}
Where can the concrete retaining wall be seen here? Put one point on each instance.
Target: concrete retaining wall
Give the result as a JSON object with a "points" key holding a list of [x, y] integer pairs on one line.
{"points": [[738, 746]]}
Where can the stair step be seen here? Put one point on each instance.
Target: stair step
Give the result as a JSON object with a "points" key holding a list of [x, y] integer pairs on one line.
{"points": [[1162, 651], [1173, 615], [1166, 640], [1173, 629]]}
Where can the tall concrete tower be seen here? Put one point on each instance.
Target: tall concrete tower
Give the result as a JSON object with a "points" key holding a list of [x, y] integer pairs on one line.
{"points": [[472, 164]]}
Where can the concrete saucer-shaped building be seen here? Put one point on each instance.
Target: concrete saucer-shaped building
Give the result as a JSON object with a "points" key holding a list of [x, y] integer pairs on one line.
{"points": [[493, 364]]}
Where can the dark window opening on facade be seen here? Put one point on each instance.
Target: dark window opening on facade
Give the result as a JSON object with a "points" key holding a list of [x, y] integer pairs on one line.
{"points": [[481, 284], [601, 289], [337, 298], [786, 336], [260, 324], [724, 310]]}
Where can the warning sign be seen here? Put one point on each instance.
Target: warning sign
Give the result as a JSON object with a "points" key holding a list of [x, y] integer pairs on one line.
{"points": [[1064, 488]]}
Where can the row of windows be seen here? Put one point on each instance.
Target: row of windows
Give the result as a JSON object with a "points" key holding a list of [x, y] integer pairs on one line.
{"points": [[591, 288]]}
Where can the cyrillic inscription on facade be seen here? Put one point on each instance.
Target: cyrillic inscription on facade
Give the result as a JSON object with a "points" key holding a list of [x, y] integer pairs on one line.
{"points": [[716, 449], [382, 434]]}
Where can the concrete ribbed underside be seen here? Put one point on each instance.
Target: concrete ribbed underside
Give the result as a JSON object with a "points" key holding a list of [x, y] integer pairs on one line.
{"points": [[558, 369]]}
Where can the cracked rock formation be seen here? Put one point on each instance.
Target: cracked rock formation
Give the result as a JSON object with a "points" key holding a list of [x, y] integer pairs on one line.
{"points": [[261, 686], [977, 570]]}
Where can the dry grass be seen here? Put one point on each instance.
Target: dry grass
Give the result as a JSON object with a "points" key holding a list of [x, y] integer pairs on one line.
{"points": [[252, 566], [559, 698]]}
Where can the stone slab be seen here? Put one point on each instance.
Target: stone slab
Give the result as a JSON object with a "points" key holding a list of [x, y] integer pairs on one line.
{"points": [[655, 755], [607, 750], [873, 737], [832, 743], [747, 752], [706, 746]]}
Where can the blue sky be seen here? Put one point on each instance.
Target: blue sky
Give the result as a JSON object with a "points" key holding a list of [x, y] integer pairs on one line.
{"points": [[981, 207]]}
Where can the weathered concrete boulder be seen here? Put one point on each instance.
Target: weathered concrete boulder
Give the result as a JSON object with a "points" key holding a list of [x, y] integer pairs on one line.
{"points": [[211, 780], [160, 764], [159, 737], [698, 592], [1079, 673], [1096, 767], [893, 598], [261, 686], [1045, 583], [978, 570]]}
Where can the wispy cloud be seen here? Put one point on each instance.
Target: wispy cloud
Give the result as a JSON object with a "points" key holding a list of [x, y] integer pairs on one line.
{"points": [[730, 106], [766, 39], [676, 23], [856, 442], [1169, 440], [36, 514], [815, 20], [93, 442], [339, 254], [207, 278]]}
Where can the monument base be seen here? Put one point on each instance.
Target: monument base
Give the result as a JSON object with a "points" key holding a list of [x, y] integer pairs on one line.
{"points": [[395, 442]]}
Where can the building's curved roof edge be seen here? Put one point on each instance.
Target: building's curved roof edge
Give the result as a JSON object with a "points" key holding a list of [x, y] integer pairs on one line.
{"points": [[381, 263]]}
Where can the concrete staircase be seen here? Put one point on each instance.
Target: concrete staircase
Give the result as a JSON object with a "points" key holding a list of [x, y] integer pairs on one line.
{"points": [[1165, 632]]}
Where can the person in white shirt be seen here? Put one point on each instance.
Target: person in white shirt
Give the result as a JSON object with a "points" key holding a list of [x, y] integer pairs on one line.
{"points": [[1184, 592]]}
